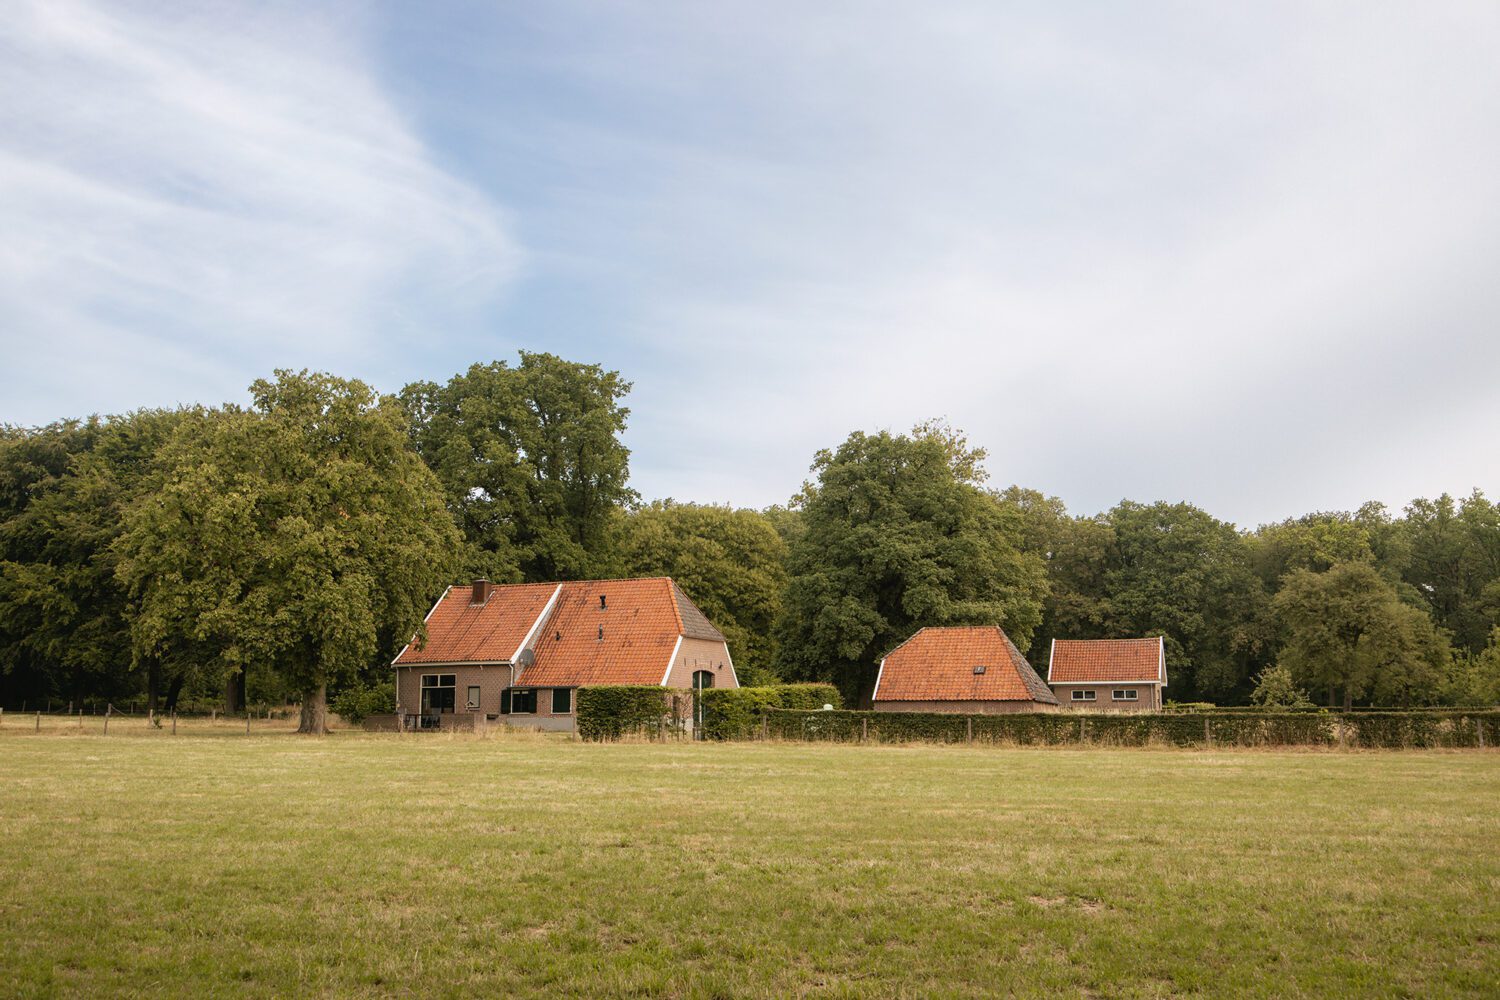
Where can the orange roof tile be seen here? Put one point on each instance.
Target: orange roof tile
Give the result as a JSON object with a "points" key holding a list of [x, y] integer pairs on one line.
{"points": [[641, 622], [461, 632], [1084, 661], [937, 664]]}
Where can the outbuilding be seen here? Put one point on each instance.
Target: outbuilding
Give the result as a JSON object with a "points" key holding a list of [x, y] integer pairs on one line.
{"points": [[968, 669], [1119, 675]]}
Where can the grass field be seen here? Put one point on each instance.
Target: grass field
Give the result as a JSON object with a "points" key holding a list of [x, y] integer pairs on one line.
{"points": [[216, 863]]}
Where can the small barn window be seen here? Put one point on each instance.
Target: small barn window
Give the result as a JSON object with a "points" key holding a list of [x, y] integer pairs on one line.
{"points": [[1124, 694], [1084, 695], [979, 668]]}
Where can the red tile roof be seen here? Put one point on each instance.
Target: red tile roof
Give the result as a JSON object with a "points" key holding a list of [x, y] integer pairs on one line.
{"points": [[1083, 661], [641, 622], [461, 632], [937, 664]]}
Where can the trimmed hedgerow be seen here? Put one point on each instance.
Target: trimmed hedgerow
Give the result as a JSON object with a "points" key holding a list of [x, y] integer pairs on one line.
{"points": [[1387, 730], [735, 713], [611, 711]]}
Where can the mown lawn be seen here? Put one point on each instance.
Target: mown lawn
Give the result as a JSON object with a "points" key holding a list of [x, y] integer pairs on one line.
{"points": [[380, 865]]}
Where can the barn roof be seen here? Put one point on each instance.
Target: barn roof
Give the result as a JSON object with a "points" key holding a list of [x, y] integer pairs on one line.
{"points": [[564, 634], [1108, 661], [942, 664]]}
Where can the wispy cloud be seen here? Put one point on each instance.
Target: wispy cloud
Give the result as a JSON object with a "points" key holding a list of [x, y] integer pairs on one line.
{"points": [[192, 195]]}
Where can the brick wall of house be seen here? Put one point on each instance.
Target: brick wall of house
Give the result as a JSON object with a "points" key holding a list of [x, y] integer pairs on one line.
{"points": [[1149, 697]]}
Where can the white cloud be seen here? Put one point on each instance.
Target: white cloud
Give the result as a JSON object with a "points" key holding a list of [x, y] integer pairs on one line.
{"points": [[193, 196]]}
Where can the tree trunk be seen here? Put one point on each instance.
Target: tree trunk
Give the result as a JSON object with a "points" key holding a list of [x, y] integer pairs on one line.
{"points": [[174, 691], [314, 712], [234, 693], [153, 684], [1331, 702], [1348, 698]]}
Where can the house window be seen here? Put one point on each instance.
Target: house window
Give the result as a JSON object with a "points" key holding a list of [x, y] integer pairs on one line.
{"points": [[1124, 694], [1084, 696], [473, 700], [702, 679], [523, 701], [562, 701], [437, 692]]}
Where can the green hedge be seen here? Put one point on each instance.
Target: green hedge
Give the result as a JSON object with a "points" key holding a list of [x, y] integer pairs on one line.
{"points": [[608, 712], [1369, 730], [735, 713], [355, 704]]}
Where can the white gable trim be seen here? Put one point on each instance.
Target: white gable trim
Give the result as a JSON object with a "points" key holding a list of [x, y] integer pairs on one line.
{"points": [[424, 622], [536, 625], [879, 673], [730, 658], [1162, 674], [672, 660], [1051, 658]]}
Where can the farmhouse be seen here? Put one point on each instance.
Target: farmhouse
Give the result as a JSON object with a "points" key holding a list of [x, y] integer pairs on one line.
{"points": [[970, 669], [1109, 674], [520, 652]]}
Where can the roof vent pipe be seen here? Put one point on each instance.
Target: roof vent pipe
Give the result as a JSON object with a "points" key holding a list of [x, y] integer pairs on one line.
{"points": [[601, 631], [601, 602]]}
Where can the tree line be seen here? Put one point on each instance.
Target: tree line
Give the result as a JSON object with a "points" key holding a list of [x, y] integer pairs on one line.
{"points": [[290, 547]]}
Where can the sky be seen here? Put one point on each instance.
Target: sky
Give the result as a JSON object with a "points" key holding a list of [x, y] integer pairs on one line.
{"points": [[1246, 256]]}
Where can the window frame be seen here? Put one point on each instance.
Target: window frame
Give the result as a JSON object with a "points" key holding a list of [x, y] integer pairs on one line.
{"points": [[522, 691], [446, 685], [1084, 694], [568, 708], [1125, 694]]}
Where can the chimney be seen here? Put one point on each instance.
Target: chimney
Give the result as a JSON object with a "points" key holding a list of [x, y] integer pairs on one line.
{"points": [[481, 593]]}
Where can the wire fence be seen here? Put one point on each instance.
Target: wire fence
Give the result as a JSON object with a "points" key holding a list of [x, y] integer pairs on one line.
{"points": [[110, 721]]}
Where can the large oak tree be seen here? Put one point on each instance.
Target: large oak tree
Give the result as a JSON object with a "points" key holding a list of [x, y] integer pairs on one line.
{"points": [[302, 535]]}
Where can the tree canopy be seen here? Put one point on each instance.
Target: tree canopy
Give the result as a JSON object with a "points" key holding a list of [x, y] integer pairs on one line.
{"points": [[896, 534], [302, 535]]}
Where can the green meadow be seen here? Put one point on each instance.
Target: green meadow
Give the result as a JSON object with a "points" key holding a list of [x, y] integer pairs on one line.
{"points": [[215, 863]]}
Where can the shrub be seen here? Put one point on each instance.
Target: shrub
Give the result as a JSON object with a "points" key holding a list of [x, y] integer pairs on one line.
{"points": [[1373, 730], [608, 712], [735, 713], [356, 704]]}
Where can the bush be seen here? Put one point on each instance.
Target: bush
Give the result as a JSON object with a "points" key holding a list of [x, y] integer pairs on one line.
{"points": [[1372, 730], [356, 704], [611, 711], [735, 713]]}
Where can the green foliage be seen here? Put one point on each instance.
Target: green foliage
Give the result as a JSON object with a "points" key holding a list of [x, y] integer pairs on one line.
{"points": [[303, 536], [1364, 730], [613, 711], [1453, 564], [896, 535], [1276, 689], [735, 713], [358, 702], [1347, 630], [730, 562], [530, 461]]}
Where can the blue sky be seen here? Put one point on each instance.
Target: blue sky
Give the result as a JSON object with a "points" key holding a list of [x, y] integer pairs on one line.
{"points": [[1245, 257]]}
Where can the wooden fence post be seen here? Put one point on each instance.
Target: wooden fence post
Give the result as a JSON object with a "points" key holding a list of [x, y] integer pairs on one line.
{"points": [[247, 723], [1479, 728], [969, 729], [1342, 736], [1208, 736], [107, 709], [39, 722], [765, 727], [864, 730], [174, 722]]}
